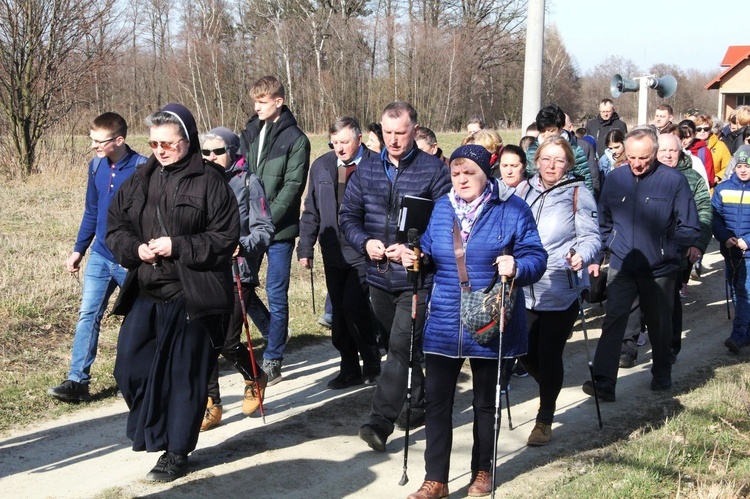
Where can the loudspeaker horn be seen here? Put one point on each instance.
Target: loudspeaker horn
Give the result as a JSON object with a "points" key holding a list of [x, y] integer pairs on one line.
{"points": [[665, 86], [618, 85]]}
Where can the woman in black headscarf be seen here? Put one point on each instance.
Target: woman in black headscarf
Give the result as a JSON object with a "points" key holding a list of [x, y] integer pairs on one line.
{"points": [[174, 225]]}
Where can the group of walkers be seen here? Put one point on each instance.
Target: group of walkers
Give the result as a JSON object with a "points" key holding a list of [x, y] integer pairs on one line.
{"points": [[183, 234]]}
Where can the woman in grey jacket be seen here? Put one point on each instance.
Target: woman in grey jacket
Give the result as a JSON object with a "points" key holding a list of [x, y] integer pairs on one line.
{"points": [[565, 213]]}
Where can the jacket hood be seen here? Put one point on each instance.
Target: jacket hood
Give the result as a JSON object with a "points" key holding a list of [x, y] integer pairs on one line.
{"points": [[286, 120], [684, 162]]}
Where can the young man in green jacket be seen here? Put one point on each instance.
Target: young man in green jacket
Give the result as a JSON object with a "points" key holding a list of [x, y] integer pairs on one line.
{"points": [[278, 152]]}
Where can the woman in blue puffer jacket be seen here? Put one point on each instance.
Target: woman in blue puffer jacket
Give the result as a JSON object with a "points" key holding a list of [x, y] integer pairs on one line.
{"points": [[566, 214], [490, 220]]}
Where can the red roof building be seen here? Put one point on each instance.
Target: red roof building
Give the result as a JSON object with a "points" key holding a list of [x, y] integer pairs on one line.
{"points": [[733, 83]]}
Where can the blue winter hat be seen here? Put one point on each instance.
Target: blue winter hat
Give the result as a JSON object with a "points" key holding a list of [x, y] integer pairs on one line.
{"points": [[477, 154]]}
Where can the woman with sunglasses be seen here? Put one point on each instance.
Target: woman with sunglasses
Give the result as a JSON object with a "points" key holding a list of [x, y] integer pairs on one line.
{"points": [[719, 151], [221, 146], [686, 132], [174, 225]]}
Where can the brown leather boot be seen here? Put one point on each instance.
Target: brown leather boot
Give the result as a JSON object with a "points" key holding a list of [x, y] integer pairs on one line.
{"points": [[482, 484], [430, 490], [212, 417], [251, 402], [540, 435]]}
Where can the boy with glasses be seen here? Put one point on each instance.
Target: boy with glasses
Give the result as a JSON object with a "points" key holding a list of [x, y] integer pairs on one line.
{"points": [[114, 162]]}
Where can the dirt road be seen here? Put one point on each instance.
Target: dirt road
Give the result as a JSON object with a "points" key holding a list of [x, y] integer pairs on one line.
{"points": [[309, 447]]}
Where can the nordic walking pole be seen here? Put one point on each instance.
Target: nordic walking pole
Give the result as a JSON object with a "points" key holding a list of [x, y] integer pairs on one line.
{"points": [[256, 378], [586, 342], [503, 284], [413, 273], [726, 288], [312, 290]]}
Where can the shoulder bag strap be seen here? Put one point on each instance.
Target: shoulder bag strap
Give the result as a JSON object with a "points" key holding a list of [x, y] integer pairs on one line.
{"points": [[458, 251]]}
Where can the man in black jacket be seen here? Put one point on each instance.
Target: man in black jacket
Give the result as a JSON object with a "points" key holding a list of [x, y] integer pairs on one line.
{"points": [[352, 331], [369, 219], [607, 121]]}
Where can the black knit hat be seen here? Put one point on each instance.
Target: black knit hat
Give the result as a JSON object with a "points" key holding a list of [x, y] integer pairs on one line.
{"points": [[477, 154]]}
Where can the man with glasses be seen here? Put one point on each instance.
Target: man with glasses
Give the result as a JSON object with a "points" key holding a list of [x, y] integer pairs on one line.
{"points": [[115, 161]]}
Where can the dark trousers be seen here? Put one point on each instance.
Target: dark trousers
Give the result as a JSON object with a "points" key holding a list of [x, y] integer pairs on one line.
{"points": [[656, 296], [440, 391], [352, 330], [548, 333], [393, 314], [234, 350], [162, 366]]}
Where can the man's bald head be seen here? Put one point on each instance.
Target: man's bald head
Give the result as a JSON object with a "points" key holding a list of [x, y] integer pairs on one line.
{"points": [[669, 149]]}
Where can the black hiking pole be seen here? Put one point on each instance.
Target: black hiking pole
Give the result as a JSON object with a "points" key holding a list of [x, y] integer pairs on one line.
{"points": [[726, 288], [413, 239], [256, 378], [586, 342], [508, 371], [312, 290], [503, 284]]}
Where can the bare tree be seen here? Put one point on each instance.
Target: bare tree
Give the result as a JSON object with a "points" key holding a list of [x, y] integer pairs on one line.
{"points": [[47, 49]]}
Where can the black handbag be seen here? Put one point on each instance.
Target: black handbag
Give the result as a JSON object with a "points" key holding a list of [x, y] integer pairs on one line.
{"points": [[481, 310]]}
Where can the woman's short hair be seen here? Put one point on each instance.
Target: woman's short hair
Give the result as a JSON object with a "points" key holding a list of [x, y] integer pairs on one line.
{"points": [[378, 131], [686, 129], [703, 119], [557, 140], [489, 139]]}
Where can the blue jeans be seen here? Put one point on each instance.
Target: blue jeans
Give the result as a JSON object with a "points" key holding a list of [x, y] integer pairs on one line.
{"points": [[736, 274], [100, 279], [277, 290]]}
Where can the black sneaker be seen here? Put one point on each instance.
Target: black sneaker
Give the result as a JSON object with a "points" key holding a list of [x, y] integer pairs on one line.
{"points": [[519, 371], [371, 380], [272, 368], [345, 381], [373, 436], [627, 360], [605, 390], [169, 467], [416, 419], [70, 391], [732, 345]]}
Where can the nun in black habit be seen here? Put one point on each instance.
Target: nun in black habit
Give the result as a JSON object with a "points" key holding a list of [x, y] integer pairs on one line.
{"points": [[174, 225]]}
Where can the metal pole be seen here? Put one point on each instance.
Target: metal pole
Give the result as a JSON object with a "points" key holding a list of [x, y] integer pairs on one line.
{"points": [[532, 72]]}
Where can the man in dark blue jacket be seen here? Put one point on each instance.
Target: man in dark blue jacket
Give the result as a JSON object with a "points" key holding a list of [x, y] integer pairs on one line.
{"points": [[114, 163], [647, 219], [369, 220], [352, 331]]}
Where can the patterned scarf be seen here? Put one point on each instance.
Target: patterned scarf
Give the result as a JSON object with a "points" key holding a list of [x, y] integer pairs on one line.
{"points": [[468, 213]]}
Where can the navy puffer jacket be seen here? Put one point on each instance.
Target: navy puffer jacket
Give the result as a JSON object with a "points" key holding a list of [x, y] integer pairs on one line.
{"points": [[372, 201], [504, 222]]}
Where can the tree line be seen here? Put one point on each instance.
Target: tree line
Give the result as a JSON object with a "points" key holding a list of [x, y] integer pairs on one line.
{"points": [[63, 61]]}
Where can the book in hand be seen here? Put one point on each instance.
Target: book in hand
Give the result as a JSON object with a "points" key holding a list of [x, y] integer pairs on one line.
{"points": [[414, 214]]}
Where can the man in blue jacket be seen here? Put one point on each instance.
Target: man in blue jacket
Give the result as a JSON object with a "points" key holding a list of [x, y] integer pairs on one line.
{"points": [[369, 220], [352, 331], [114, 163], [647, 219]]}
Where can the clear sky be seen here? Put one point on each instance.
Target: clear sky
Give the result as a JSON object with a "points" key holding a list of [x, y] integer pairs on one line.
{"points": [[650, 31]]}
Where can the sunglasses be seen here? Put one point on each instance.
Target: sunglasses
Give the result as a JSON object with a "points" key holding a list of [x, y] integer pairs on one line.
{"points": [[702, 129], [217, 152], [167, 146]]}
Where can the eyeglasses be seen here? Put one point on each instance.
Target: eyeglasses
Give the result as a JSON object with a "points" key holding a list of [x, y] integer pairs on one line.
{"points": [[167, 146], [546, 161], [217, 152], [100, 143], [702, 129]]}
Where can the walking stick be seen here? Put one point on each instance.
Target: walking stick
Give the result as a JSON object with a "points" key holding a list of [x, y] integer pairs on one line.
{"points": [[507, 398], [503, 284], [586, 342], [312, 290], [726, 288], [413, 239], [256, 378]]}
